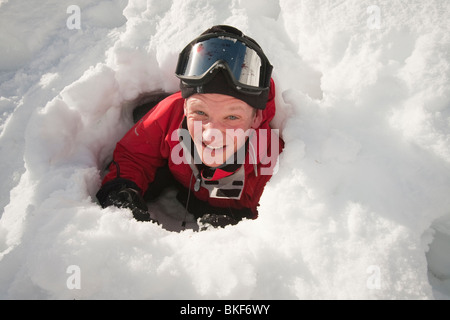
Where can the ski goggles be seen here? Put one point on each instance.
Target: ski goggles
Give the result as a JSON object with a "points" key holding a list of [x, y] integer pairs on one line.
{"points": [[245, 63]]}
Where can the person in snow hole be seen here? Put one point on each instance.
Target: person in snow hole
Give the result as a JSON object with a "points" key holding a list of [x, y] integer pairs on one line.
{"points": [[211, 140]]}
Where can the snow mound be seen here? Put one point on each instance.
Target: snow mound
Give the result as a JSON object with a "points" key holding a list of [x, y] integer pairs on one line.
{"points": [[359, 208]]}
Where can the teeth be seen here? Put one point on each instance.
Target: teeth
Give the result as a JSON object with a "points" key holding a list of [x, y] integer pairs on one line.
{"points": [[212, 147]]}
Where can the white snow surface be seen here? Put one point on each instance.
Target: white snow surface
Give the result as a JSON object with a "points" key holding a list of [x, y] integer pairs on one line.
{"points": [[360, 205]]}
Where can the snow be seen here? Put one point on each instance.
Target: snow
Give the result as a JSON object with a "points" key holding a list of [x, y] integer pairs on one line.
{"points": [[359, 208]]}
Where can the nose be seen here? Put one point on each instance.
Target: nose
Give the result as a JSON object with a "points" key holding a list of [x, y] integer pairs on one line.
{"points": [[212, 134]]}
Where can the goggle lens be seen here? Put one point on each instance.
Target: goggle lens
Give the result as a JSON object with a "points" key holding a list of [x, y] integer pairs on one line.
{"points": [[243, 62]]}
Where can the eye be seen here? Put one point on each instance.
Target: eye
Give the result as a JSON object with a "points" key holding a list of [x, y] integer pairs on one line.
{"points": [[232, 118], [199, 113]]}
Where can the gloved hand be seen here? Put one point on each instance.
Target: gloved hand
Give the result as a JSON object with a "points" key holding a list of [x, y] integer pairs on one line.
{"points": [[215, 221], [128, 198]]}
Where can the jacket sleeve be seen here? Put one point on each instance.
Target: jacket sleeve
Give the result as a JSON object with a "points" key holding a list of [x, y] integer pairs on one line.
{"points": [[138, 154], [266, 168], [269, 146]]}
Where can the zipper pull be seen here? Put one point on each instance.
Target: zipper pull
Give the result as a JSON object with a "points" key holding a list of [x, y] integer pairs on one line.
{"points": [[198, 181]]}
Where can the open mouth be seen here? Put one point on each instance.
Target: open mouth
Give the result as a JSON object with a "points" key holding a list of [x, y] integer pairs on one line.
{"points": [[215, 148]]}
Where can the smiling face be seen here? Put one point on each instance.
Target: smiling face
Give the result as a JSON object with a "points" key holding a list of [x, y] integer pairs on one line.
{"points": [[217, 124]]}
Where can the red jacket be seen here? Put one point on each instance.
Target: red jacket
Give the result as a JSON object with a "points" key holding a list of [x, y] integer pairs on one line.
{"points": [[149, 145]]}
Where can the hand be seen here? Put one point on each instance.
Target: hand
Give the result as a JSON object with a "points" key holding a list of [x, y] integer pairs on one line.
{"points": [[215, 221], [130, 199]]}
